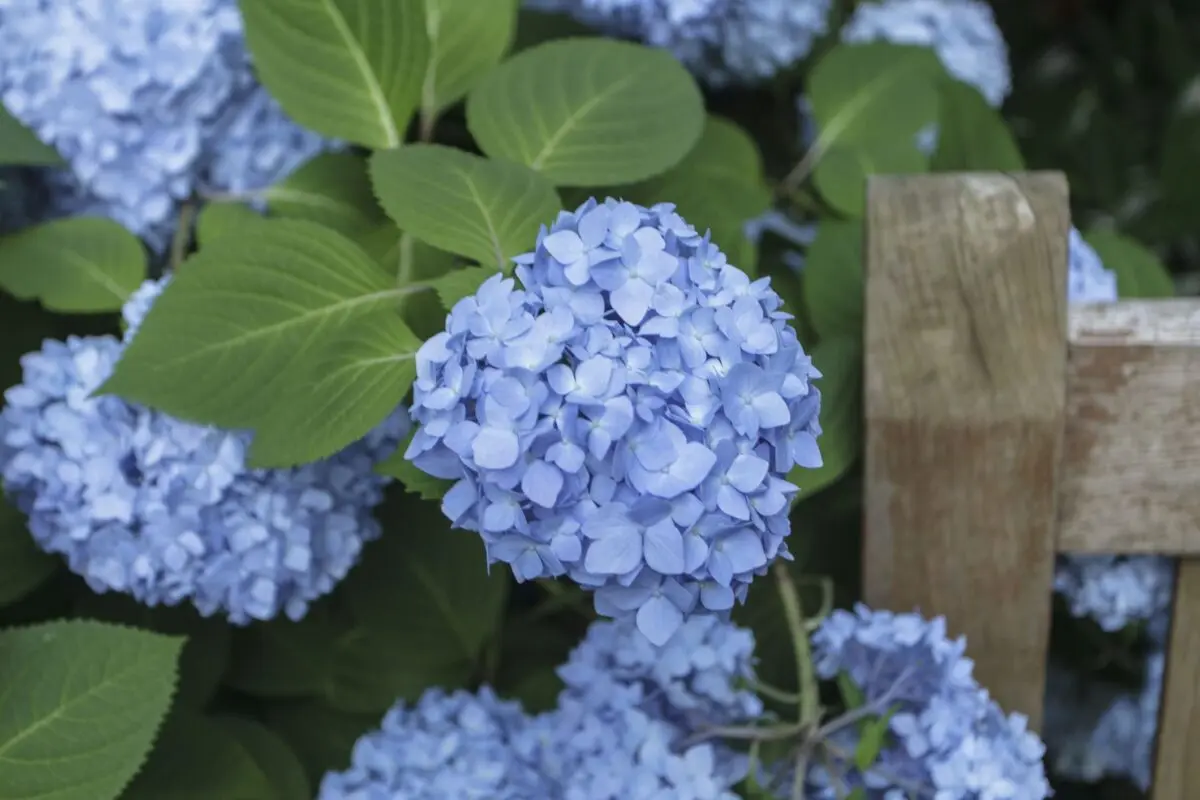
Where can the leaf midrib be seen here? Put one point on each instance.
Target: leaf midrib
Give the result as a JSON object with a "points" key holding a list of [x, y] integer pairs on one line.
{"points": [[574, 118], [374, 89], [856, 105]]}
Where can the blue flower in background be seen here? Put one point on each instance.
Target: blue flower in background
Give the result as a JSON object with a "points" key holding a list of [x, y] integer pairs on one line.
{"points": [[947, 736], [963, 33], [722, 41], [166, 511], [456, 745], [147, 101], [627, 419], [618, 731], [1088, 280]]}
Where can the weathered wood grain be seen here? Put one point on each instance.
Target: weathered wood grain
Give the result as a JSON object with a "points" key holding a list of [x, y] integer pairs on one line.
{"points": [[1131, 456], [1177, 756], [966, 356]]}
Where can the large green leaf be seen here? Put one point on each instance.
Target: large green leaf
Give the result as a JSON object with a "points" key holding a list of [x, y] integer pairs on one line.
{"points": [[972, 136], [274, 757], [84, 698], [205, 654], [222, 219], [245, 319], [840, 360], [348, 69], [1140, 273], [833, 279], [841, 174], [23, 565], [362, 377], [467, 39], [20, 146], [282, 658], [484, 209], [420, 563], [200, 758], [874, 93], [79, 265], [718, 186], [588, 111], [331, 189], [321, 736]]}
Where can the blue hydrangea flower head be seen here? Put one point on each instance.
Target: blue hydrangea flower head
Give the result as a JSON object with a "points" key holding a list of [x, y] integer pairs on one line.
{"points": [[167, 511], [722, 41], [457, 745], [619, 730], [627, 418], [146, 100], [1088, 280], [1116, 590], [948, 736], [963, 33], [698, 678]]}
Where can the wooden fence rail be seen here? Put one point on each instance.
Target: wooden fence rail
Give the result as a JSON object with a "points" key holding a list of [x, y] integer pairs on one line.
{"points": [[1003, 428]]}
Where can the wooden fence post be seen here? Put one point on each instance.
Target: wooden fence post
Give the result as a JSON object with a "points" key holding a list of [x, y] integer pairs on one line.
{"points": [[1003, 428], [966, 362]]}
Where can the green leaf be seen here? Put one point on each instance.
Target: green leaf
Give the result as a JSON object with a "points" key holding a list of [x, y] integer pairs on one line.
{"points": [[80, 265], [363, 375], [718, 186], [859, 793], [197, 758], [205, 654], [347, 69], [85, 697], [412, 479], [23, 565], [972, 136], [20, 146], [222, 219], [331, 189], [852, 696], [833, 279], [872, 735], [282, 658], [588, 111], [274, 757], [321, 736], [1140, 273], [841, 174], [874, 93], [244, 319], [483, 209], [839, 358], [467, 40], [419, 563]]}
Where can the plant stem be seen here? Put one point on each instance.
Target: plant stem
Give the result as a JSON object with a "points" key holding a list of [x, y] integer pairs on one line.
{"points": [[810, 705]]}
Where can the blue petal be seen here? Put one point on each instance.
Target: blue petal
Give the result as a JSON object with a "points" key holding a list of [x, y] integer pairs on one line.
{"points": [[664, 548], [565, 247], [541, 483], [632, 300], [495, 448], [659, 619], [618, 552]]}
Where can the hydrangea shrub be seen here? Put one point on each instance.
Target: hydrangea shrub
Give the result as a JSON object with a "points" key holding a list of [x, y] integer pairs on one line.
{"points": [[452, 399]]}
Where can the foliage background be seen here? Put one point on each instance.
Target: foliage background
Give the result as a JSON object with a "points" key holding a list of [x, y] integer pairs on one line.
{"points": [[1109, 92]]}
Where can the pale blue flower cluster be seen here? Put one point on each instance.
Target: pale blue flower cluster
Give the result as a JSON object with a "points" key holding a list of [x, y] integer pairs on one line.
{"points": [[1097, 730], [948, 737], [167, 511], [1088, 280], [617, 733], [963, 33], [1116, 590], [627, 419], [721, 41], [147, 101]]}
